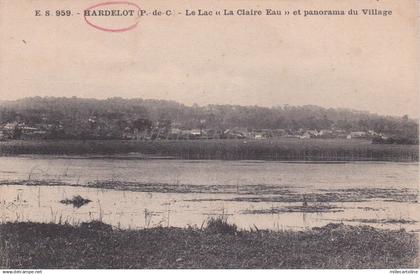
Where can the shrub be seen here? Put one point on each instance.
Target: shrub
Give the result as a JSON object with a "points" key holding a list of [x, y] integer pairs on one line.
{"points": [[76, 201], [96, 225], [220, 225]]}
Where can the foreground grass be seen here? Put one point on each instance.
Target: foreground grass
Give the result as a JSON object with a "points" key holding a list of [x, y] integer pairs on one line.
{"points": [[219, 245]]}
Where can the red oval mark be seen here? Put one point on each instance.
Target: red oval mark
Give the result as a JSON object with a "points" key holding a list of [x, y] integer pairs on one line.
{"points": [[132, 26]]}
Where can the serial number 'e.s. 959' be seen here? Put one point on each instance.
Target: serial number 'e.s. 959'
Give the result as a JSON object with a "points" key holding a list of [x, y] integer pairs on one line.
{"points": [[53, 13]]}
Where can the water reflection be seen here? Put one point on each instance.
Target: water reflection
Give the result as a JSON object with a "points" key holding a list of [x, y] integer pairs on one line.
{"points": [[271, 195], [125, 209]]}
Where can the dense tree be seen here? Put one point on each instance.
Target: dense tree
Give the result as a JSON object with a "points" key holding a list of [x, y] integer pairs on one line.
{"points": [[92, 118]]}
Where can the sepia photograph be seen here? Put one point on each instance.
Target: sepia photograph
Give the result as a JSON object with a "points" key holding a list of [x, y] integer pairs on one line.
{"points": [[237, 134]]}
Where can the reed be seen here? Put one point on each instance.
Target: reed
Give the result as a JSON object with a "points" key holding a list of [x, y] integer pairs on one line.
{"points": [[275, 149], [98, 245]]}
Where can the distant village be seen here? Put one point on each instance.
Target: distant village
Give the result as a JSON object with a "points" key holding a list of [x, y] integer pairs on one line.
{"points": [[137, 119], [143, 129]]}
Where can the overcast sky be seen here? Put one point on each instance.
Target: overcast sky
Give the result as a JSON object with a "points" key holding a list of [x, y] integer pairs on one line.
{"points": [[365, 63]]}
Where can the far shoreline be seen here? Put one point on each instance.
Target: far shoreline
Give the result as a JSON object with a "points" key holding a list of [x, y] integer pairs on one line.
{"points": [[282, 150]]}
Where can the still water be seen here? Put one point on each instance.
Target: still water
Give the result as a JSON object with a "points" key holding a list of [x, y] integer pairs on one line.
{"points": [[138, 209]]}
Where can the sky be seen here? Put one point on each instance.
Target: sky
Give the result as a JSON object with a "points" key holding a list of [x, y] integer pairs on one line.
{"points": [[366, 63]]}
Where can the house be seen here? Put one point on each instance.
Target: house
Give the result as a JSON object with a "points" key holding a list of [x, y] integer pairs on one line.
{"points": [[279, 132], [313, 132], [236, 133], [357, 135], [373, 133], [195, 132], [340, 133], [12, 130], [305, 135], [34, 134], [186, 133], [213, 133], [28, 130], [10, 126], [128, 134], [309, 134], [326, 133], [259, 136]]}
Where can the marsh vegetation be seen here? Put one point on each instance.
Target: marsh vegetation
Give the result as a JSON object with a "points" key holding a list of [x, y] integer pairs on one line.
{"points": [[217, 245]]}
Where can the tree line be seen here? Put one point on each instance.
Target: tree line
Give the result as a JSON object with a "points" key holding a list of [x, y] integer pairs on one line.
{"points": [[76, 117]]}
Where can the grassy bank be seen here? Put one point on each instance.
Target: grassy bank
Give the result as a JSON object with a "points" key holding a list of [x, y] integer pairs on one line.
{"points": [[276, 149], [219, 245]]}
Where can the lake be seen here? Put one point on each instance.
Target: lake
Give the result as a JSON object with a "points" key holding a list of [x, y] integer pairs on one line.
{"points": [[128, 192]]}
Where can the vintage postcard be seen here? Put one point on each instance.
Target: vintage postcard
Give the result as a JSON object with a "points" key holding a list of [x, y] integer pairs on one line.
{"points": [[244, 134]]}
